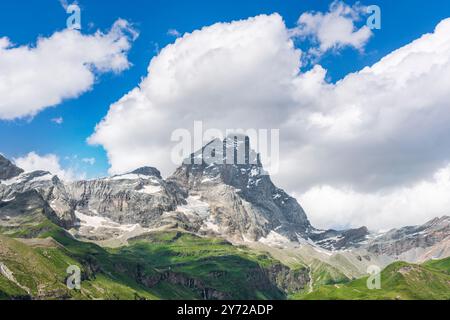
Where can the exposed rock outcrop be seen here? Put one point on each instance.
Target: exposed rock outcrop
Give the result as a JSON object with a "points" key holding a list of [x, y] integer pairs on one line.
{"points": [[7, 169], [52, 192], [287, 279], [399, 241], [139, 197], [339, 240]]}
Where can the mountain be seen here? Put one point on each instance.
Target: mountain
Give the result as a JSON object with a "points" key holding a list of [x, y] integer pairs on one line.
{"points": [[217, 228], [49, 188], [208, 195], [415, 243], [240, 199], [140, 196], [240, 202]]}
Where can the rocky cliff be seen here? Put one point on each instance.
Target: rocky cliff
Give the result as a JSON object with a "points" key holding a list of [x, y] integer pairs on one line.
{"points": [[139, 197], [241, 199]]}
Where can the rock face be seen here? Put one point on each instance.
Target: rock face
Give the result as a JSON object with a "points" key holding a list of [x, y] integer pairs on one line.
{"points": [[240, 199], [287, 279], [50, 189], [7, 169], [277, 277], [338, 240], [139, 197], [29, 204], [400, 242]]}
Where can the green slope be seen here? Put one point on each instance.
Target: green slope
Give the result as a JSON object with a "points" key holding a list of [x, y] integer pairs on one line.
{"points": [[400, 280], [326, 274], [176, 265], [440, 265], [42, 271], [231, 271], [169, 265]]}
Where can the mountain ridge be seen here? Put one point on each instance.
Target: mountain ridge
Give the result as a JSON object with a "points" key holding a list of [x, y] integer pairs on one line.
{"points": [[212, 197], [139, 216]]}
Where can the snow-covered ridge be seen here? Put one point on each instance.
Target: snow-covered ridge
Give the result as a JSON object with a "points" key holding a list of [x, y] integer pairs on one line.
{"points": [[29, 177]]}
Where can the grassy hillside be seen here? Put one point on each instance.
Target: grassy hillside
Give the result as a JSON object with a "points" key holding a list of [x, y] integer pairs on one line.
{"points": [[325, 274], [35, 253], [400, 280], [231, 271], [440, 265], [172, 265]]}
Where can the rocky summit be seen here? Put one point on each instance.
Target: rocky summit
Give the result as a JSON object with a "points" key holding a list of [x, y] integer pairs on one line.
{"points": [[240, 198]]}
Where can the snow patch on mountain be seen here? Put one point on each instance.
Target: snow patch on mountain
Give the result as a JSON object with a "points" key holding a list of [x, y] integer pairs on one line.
{"points": [[97, 222], [151, 189], [195, 206], [275, 239]]}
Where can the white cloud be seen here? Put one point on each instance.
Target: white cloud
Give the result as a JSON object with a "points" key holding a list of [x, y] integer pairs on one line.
{"points": [[388, 121], [49, 162], [5, 43], [58, 120], [372, 135], [335, 29], [59, 67], [173, 33], [412, 205], [90, 161]]}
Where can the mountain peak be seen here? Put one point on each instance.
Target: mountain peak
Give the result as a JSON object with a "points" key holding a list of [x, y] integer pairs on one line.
{"points": [[233, 150], [148, 171], [242, 198], [8, 170], [438, 222]]}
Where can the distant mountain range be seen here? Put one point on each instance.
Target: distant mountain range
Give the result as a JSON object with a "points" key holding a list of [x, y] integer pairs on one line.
{"points": [[215, 213]]}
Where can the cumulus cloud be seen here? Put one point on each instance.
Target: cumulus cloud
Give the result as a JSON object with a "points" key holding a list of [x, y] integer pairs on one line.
{"points": [[381, 127], [49, 162], [62, 66], [335, 29], [372, 135]]}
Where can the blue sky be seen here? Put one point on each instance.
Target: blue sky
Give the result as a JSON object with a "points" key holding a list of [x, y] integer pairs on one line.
{"points": [[24, 21]]}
